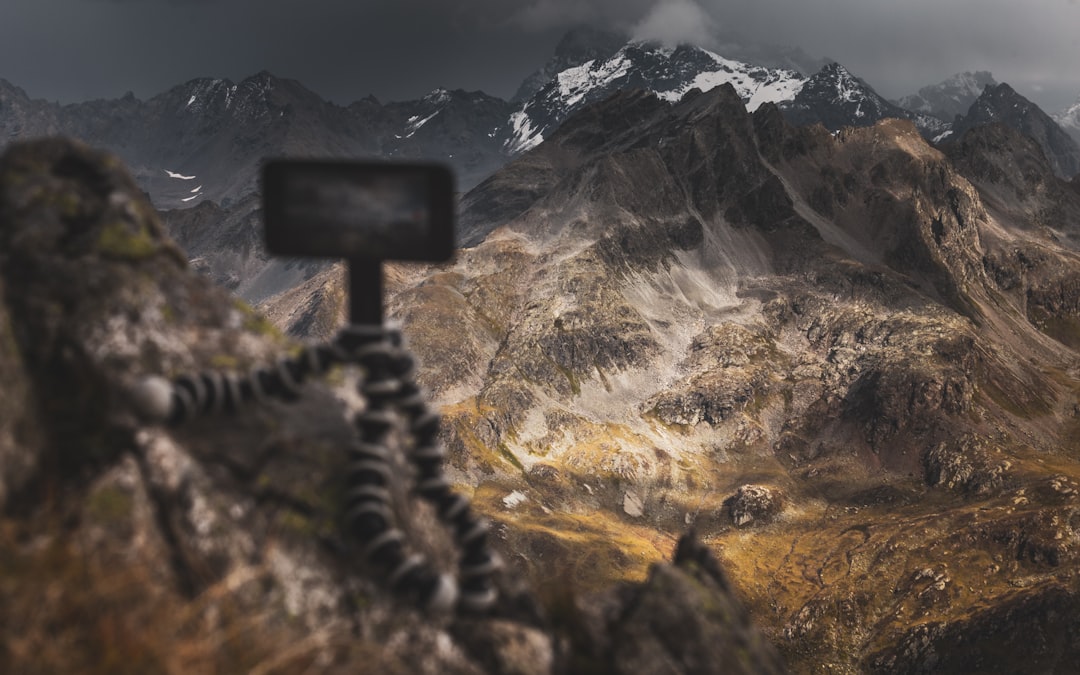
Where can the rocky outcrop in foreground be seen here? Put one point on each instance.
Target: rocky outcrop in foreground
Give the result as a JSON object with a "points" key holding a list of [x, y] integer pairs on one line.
{"points": [[215, 547]]}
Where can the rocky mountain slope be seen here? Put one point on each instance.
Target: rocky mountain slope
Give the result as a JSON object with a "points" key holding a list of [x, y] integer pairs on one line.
{"points": [[848, 359], [951, 97], [217, 546], [1002, 105]]}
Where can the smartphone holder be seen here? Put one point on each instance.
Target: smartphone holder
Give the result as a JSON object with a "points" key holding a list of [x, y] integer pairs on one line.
{"points": [[365, 212]]}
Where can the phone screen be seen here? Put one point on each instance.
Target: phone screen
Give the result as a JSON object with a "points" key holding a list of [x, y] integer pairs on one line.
{"points": [[373, 210]]}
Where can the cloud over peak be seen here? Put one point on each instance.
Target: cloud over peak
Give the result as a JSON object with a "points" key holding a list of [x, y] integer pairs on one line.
{"points": [[673, 22]]}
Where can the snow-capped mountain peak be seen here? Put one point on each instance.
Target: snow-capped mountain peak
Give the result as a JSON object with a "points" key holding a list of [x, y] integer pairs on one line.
{"points": [[668, 72], [836, 91], [836, 98], [437, 96], [848, 88]]}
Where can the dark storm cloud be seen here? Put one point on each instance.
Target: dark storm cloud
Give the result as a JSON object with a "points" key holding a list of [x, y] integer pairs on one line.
{"points": [[344, 49]]}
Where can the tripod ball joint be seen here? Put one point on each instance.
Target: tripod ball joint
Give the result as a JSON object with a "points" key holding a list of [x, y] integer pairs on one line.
{"points": [[152, 398]]}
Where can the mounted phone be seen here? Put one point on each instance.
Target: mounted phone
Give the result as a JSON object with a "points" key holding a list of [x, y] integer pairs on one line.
{"points": [[359, 210]]}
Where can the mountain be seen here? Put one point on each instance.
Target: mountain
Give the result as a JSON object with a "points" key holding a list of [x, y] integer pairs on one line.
{"points": [[205, 139], [464, 129], [669, 72], [1001, 104], [216, 134], [1015, 181], [849, 360], [951, 97], [20, 116], [1069, 119], [584, 44], [835, 98], [579, 46]]}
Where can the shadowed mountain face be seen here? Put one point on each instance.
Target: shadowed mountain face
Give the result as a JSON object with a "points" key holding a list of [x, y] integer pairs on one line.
{"points": [[1002, 105], [849, 359]]}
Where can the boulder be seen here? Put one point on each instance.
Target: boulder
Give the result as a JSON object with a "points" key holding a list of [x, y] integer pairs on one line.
{"points": [[754, 504]]}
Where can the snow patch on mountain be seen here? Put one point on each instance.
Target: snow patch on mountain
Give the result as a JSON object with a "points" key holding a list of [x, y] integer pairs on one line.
{"points": [[775, 90], [848, 89], [576, 83], [523, 135], [415, 122]]}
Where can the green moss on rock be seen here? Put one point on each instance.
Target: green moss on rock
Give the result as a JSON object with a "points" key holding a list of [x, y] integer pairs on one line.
{"points": [[255, 322], [110, 504], [117, 240]]}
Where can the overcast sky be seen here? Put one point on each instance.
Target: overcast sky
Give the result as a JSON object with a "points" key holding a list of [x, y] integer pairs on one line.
{"points": [[72, 50]]}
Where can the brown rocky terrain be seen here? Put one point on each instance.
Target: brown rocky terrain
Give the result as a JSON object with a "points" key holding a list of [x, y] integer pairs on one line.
{"points": [[848, 359]]}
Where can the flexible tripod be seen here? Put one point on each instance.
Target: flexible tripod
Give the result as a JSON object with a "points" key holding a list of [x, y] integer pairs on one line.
{"points": [[394, 401]]}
